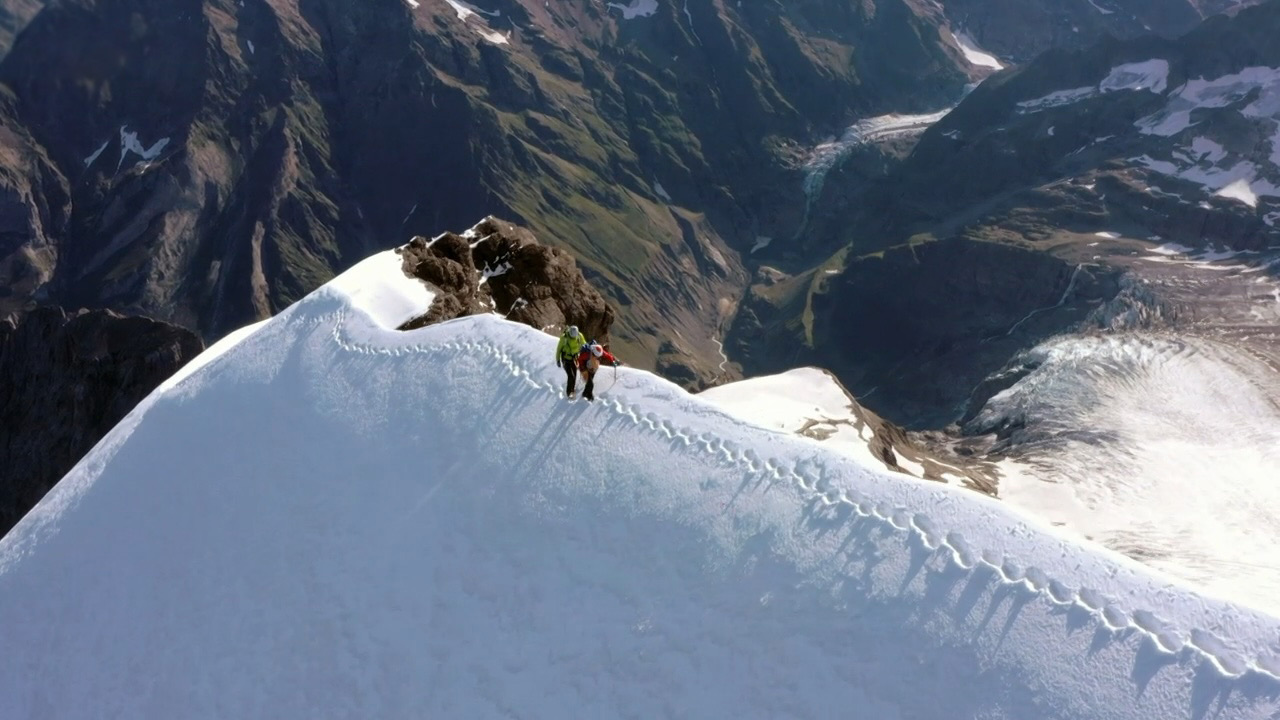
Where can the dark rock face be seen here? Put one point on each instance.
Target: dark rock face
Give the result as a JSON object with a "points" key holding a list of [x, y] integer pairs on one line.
{"points": [[14, 15], [208, 162], [500, 267], [68, 379], [945, 264], [1019, 30], [1072, 142], [913, 330]]}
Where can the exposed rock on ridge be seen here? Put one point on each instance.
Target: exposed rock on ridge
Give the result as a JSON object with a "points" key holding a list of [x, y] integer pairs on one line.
{"points": [[499, 267]]}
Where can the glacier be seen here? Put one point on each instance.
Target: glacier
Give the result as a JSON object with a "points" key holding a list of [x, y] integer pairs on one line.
{"points": [[326, 517]]}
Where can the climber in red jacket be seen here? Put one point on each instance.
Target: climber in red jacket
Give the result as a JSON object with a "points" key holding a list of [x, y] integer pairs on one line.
{"points": [[589, 361]]}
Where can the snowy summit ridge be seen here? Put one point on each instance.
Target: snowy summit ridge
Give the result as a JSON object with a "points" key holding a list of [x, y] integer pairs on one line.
{"points": [[329, 517]]}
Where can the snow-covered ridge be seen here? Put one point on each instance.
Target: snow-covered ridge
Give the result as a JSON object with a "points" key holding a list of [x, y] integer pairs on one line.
{"points": [[399, 524], [817, 488]]}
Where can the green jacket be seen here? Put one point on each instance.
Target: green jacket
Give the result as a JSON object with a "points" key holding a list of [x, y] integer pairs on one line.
{"points": [[569, 347]]}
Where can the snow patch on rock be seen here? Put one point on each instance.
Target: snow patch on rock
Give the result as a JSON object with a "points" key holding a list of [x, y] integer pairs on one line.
{"points": [[636, 8], [129, 144], [1220, 92], [1149, 75], [96, 154], [973, 54]]}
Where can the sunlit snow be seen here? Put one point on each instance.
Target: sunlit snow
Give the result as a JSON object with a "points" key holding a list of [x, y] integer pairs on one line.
{"points": [[1239, 190], [1163, 448], [466, 10], [335, 518], [973, 54], [801, 401]]}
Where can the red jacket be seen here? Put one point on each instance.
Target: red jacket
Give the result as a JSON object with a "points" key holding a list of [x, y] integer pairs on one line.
{"points": [[585, 357]]}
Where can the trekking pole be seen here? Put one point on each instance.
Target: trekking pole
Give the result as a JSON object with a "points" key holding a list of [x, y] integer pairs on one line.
{"points": [[614, 381]]}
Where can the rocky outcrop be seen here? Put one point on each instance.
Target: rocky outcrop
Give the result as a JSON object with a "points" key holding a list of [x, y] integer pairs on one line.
{"points": [[68, 379], [499, 267]]}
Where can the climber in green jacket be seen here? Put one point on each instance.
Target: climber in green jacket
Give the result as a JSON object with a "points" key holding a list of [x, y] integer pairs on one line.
{"points": [[571, 343]]}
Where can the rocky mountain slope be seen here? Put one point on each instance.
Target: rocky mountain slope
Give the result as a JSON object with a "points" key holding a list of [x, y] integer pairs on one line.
{"points": [[1019, 30], [209, 161], [1026, 211], [14, 16], [68, 379]]}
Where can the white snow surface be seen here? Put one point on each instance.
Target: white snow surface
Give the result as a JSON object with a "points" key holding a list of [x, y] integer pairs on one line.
{"points": [[466, 10], [335, 519], [1152, 75], [1216, 93], [636, 8], [129, 143], [1240, 190], [1162, 447], [96, 153], [661, 191], [1058, 97], [973, 54], [1217, 174], [788, 401]]}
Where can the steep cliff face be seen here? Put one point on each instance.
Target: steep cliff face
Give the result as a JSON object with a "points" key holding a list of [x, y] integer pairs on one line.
{"points": [[1019, 30], [68, 379], [1178, 138], [1091, 159], [913, 330], [14, 16], [209, 161]]}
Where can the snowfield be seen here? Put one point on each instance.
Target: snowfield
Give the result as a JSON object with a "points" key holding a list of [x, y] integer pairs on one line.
{"points": [[330, 518]]}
